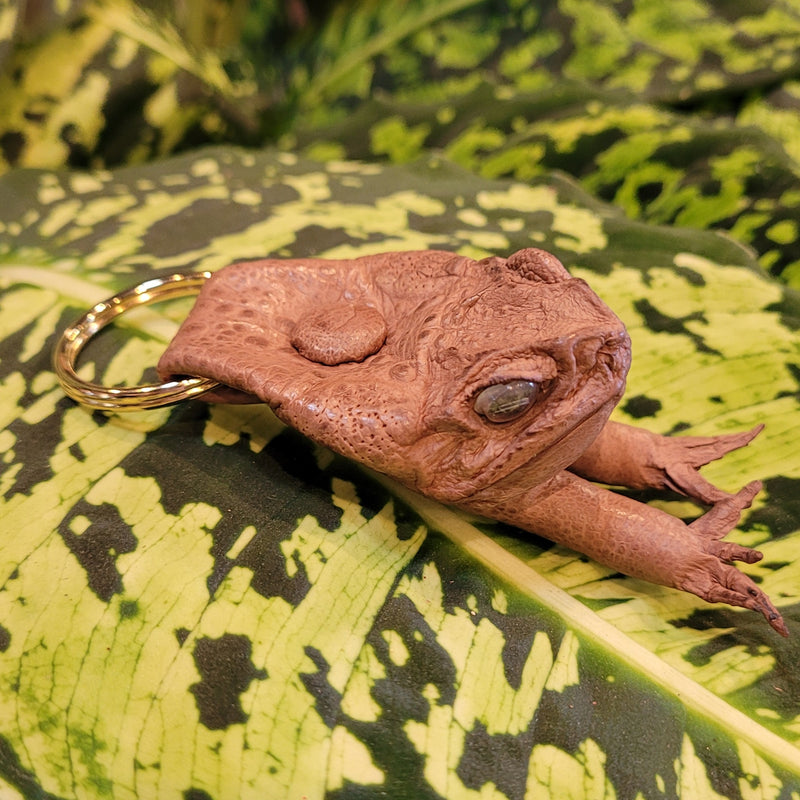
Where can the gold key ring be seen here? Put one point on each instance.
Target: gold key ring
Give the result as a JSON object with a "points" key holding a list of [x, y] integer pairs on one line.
{"points": [[126, 398]]}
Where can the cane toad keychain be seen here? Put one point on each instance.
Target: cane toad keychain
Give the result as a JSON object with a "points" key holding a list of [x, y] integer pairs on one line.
{"points": [[484, 384]]}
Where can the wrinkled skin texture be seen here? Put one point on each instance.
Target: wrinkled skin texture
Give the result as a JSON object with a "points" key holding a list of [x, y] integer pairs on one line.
{"points": [[383, 359]]}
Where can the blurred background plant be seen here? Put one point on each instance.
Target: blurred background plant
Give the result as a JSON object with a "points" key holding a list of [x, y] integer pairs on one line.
{"points": [[97, 83], [687, 117]]}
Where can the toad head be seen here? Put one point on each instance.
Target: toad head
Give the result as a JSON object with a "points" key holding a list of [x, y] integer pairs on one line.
{"points": [[445, 373]]}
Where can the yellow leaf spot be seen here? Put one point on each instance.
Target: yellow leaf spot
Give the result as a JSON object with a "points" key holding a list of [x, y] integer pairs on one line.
{"points": [[500, 601], [204, 167], [482, 243], [51, 193], [471, 216], [84, 183], [554, 774], [357, 701], [783, 232], [398, 652], [59, 217], [692, 776], [565, 668], [350, 760], [79, 525], [241, 541], [246, 197], [759, 781]]}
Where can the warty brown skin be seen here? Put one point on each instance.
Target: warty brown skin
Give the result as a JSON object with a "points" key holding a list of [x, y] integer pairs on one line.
{"points": [[396, 360]]}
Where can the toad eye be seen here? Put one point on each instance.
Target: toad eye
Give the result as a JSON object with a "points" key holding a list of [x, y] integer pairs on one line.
{"points": [[503, 402]]}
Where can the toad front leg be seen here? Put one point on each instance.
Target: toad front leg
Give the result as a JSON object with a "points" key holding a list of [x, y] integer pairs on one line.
{"points": [[623, 455], [637, 539]]}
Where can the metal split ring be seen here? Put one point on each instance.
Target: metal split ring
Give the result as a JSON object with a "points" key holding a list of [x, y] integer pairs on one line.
{"points": [[126, 398]]}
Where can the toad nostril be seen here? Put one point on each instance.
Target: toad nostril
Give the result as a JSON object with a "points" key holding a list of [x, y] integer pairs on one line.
{"points": [[613, 351], [614, 341], [617, 344]]}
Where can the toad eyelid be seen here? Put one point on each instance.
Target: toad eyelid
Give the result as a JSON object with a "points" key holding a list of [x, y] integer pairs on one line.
{"points": [[537, 369]]}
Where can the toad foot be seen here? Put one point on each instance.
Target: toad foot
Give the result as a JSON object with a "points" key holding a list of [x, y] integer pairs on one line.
{"points": [[710, 574], [653, 461], [681, 456]]}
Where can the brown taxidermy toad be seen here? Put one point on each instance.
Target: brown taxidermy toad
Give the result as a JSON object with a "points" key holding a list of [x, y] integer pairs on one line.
{"points": [[484, 384]]}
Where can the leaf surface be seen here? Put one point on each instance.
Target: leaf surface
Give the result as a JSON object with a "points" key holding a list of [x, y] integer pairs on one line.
{"points": [[200, 602]]}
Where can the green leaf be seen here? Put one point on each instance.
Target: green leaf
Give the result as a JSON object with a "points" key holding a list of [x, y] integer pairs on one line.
{"points": [[201, 602]]}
